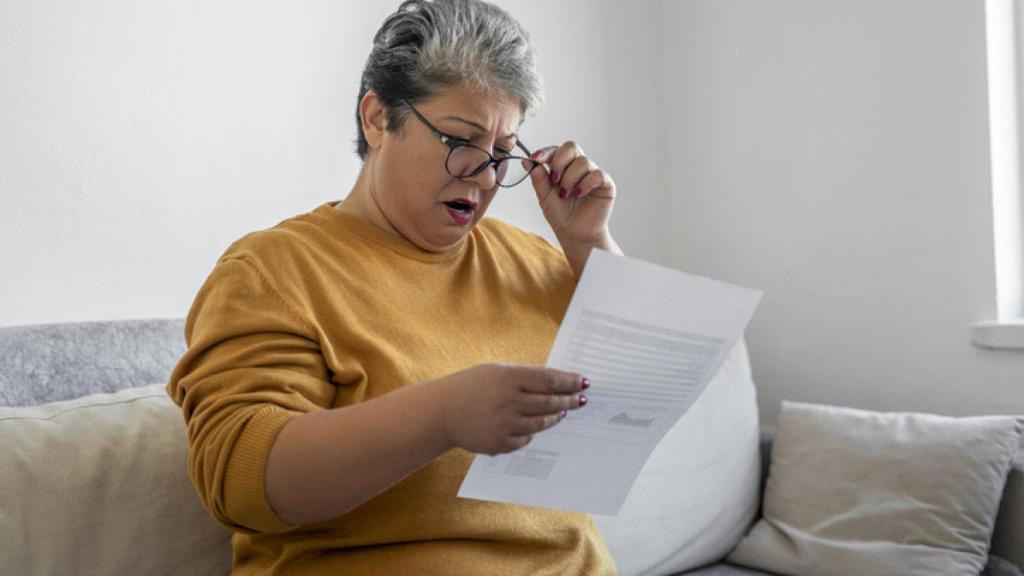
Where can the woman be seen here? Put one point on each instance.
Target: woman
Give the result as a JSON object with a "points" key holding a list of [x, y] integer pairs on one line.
{"points": [[344, 366]]}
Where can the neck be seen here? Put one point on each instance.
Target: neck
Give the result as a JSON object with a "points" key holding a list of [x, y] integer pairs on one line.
{"points": [[362, 201]]}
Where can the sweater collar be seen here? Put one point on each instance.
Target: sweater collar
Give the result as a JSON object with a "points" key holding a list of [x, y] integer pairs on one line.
{"points": [[353, 224]]}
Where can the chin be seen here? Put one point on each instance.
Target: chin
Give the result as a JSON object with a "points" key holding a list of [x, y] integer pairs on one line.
{"points": [[446, 244]]}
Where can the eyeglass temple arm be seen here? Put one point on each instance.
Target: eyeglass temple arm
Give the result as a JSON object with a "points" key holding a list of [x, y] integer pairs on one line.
{"points": [[521, 146]]}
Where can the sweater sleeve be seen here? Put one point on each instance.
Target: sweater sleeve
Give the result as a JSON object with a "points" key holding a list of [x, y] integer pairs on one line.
{"points": [[252, 364]]}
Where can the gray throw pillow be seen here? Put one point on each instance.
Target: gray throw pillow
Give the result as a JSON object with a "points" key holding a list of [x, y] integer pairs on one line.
{"points": [[852, 492]]}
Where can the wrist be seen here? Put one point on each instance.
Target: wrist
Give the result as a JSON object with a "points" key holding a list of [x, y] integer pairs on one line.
{"points": [[602, 239], [591, 240], [437, 405], [577, 251]]}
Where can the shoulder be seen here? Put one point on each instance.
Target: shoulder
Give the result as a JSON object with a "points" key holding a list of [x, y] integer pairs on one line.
{"points": [[524, 250], [283, 253], [532, 270], [270, 243], [515, 237]]}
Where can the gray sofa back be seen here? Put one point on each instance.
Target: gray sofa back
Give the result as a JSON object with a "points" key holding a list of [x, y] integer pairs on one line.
{"points": [[52, 362]]}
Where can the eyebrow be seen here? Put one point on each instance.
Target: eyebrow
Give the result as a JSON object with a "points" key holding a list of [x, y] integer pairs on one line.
{"points": [[479, 127]]}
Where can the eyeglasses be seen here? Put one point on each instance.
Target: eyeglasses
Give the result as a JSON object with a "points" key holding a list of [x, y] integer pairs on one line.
{"points": [[466, 160]]}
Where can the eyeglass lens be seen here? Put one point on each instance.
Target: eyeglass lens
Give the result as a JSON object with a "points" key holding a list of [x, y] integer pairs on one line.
{"points": [[466, 161]]}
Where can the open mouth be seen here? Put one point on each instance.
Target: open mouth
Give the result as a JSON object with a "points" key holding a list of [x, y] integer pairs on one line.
{"points": [[463, 206], [461, 210]]}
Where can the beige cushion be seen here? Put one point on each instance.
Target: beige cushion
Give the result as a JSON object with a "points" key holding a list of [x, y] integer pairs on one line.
{"points": [[99, 485], [853, 492], [699, 491]]}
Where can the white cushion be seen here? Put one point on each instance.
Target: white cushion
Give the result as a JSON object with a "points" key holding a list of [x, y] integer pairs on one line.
{"points": [[699, 491], [99, 485], [853, 492]]}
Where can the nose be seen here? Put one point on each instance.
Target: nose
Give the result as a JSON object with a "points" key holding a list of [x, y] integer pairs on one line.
{"points": [[486, 179]]}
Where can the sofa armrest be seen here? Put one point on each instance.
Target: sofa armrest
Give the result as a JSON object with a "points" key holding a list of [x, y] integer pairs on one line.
{"points": [[1008, 538], [767, 438]]}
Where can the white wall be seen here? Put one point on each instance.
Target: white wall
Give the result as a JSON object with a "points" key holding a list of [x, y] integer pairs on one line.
{"points": [[138, 139], [835, 154]]}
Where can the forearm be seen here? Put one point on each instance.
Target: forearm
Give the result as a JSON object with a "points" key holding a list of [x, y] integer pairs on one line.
{"points": [[324, 464], [577, 253]]}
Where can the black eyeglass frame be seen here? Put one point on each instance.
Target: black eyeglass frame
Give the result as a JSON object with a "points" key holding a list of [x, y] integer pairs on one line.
{"points": [[453, 142]]}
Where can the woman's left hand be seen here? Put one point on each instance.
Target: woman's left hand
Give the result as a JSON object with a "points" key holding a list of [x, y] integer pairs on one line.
{"points": [[575, 195]]}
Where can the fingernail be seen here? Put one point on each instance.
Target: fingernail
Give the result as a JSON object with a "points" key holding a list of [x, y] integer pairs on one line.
{"points": [[537, 154], [576, 192], [561, 192], [586, 383], [564, 412], [554, 176], [583, 400]]}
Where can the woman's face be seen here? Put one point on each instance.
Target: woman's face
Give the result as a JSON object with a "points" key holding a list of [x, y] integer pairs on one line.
{"points": [[408, 180]]}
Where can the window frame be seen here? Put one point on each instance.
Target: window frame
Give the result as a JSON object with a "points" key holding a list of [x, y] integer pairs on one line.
{"points": [[1004, 33]]}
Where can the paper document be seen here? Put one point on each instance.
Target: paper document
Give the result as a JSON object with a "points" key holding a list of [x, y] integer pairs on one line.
{"points": [[649, 339]]}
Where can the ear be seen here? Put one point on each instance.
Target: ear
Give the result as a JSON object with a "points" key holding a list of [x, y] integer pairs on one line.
{"points": [[374, 118]]}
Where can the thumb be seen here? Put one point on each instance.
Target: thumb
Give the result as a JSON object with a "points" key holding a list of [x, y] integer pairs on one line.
{"points": [[539, 177]]}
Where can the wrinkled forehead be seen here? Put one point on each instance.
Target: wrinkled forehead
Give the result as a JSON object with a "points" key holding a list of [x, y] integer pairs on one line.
{"points": [[484, 111]]}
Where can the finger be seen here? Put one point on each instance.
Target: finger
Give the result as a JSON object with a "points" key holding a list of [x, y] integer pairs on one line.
{"points": [[592, 181], [516, 442], [569, 187], [560, 160], [545, 404], [549, 381], [535, 424], [539, 176], [543, 155]]}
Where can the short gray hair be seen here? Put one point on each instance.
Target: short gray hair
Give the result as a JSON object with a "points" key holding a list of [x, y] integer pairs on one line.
{"points": [[427, 46]]}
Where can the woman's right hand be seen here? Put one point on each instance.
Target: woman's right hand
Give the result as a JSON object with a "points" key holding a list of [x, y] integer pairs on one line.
{"points": [[497, 408]]}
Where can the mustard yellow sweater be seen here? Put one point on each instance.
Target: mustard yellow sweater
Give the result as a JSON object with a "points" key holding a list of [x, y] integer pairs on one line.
{"points": [[325, 310]]}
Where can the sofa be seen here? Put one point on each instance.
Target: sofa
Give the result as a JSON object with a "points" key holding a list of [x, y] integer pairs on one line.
{"points": [[110, 495]]}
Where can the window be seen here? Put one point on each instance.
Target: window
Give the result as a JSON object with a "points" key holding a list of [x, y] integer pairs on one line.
{"points": [[1005, 33]]}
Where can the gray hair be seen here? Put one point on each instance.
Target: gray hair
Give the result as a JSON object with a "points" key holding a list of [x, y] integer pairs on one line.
{"points": [[427, 46]]}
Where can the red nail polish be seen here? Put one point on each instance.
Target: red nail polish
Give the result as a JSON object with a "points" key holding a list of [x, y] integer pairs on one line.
{"points": [[561, 192], [586, 383], [536, 154], [554, 176], [576, 192], [583, 400]]}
